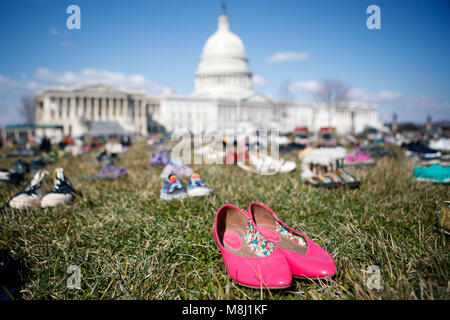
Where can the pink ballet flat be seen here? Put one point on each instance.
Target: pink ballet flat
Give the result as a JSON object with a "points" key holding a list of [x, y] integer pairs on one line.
{"points": [[249, 259], [305, 257]]}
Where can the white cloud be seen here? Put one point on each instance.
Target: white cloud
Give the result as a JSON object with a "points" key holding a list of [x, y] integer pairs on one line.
{"points": [[288, 56], [310, 86], [54, 31], [313, 86], [7, 84], [8, 112], [11, 92], [89, 76], [10, 87], [259, 81]]}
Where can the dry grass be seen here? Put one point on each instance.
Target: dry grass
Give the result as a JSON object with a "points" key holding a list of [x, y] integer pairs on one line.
{"points": [[131, 245]]}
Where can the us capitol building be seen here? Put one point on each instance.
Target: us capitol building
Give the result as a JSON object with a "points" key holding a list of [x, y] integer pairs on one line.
{"points": [[223, 99]]}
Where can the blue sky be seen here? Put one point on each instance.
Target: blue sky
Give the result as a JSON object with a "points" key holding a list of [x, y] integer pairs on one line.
{"points": [[151, 45]]}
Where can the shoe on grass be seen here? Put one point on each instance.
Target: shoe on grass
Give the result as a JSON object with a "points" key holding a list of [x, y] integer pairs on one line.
{"points": [[435, 173], [350, 180], [62, 192], [32, 194], [197, 188], [250, 259], [10, 177], [305, 257], [177, 167], [20, 167], [173, 188]]}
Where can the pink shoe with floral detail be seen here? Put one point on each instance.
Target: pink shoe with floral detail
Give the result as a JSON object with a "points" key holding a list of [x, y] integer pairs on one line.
{"points": [[305, 257], [249, 259]]}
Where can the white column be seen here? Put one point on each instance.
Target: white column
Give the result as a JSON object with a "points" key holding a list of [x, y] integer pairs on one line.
{"points": [[96, 108]]}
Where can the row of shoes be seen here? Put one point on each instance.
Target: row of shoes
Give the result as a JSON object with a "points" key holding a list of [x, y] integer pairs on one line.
{"points": [[34, 194], [331, 176], [260, 251], [173, 188]]}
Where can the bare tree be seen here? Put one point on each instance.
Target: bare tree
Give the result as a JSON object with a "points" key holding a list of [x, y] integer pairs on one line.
{"points": [[333, 92], [27, 110]]}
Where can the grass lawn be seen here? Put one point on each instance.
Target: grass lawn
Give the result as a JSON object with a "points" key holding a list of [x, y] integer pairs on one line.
{"points": [[131, 245]]}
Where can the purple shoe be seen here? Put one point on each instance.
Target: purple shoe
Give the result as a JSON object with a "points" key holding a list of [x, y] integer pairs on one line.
{"points": [[177, 167], [165, 157], [111, 173], [156, 159], [108, 173], [160, 158]]}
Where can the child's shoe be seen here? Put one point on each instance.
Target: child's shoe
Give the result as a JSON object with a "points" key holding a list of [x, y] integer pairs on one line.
{"points": [[197, 188], [172, 188]]}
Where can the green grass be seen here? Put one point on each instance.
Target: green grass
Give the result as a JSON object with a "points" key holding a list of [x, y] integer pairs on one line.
{"points": [[131, 245]]}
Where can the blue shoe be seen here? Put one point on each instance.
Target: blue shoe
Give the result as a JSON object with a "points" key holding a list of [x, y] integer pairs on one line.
{"points": [[20, 167], [172, 188], [197, 188], [435, 173], [37, 164]]}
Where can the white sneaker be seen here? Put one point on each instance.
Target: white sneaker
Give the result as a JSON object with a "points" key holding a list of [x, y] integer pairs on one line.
{"points": [[62, 192], [32, 195], [266, 165]]}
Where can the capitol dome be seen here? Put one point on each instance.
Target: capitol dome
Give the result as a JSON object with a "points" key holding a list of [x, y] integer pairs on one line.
{"points": [[223, 69]]}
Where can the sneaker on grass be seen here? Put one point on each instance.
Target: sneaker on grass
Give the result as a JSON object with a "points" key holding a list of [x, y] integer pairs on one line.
{"points": [[61, 193], [172, 188], [10, 177], [32, 194], [197, 188]]}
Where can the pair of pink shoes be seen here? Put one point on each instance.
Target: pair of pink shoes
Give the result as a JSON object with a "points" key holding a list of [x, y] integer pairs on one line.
{"points": [[259, 250]]}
